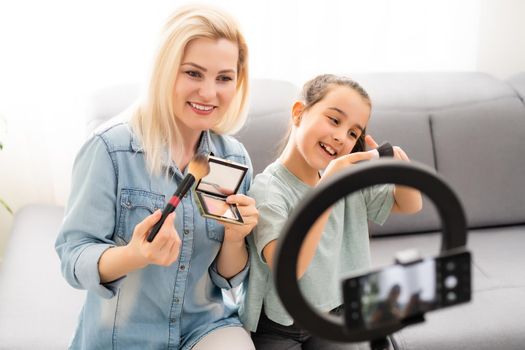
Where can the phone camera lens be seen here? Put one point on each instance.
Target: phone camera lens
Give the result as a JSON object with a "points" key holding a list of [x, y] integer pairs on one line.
{"points": [[451, 296], [451, 282], [450, 266]]}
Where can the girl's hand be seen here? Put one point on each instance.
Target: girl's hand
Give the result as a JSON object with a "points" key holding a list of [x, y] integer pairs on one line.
{"points": [[250, 216], [165, 248], [406, 199], [398, 152], [343, 162]]}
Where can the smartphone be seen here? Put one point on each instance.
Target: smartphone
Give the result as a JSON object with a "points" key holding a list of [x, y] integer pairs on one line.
{"points": [[224, 179], [397, 294]]}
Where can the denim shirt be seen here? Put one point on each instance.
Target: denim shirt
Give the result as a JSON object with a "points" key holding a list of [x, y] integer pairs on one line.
{"points": [[155, 307]]}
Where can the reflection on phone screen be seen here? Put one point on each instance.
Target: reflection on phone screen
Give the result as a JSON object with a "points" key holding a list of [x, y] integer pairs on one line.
{"points": [[398, 292], [219, 208]]}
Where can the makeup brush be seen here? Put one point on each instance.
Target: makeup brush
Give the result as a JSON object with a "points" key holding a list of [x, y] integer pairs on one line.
{"points": [[197, 169], [384, 150]]}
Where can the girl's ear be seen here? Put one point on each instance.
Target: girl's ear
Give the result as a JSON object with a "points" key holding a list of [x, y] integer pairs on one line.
{"points": [[297, 111]]}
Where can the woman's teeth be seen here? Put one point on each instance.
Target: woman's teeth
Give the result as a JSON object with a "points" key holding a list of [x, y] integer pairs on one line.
{"points": [[201, 107], [328, 149]]}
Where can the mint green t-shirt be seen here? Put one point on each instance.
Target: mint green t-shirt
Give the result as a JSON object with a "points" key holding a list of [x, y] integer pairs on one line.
{"points": [[343, 248]]}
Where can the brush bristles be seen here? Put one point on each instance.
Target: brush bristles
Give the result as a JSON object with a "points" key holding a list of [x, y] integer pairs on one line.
{"points": [[199, 166]]}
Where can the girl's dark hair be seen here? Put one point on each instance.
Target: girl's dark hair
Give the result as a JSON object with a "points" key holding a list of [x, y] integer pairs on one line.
{"points": [[316, 89]]}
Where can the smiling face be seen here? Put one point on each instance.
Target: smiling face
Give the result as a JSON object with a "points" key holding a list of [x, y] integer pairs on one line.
{"points": [[328, 129], [206, 84]]}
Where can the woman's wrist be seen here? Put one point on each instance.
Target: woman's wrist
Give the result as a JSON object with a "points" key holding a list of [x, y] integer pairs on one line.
{"points": [[234, 240], [135, 259]]}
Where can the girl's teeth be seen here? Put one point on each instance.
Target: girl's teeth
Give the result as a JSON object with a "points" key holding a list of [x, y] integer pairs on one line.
{"points": [[329, 149]]}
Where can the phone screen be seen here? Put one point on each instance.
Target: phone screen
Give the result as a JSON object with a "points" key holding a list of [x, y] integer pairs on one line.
{"points": [[400, 292]]}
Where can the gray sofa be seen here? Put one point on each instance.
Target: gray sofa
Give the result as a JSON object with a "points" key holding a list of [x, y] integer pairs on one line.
{"points": [[467, 126]]}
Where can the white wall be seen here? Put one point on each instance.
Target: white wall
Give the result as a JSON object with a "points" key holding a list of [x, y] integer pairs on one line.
{"points": [[501, 49], [55, 53]]}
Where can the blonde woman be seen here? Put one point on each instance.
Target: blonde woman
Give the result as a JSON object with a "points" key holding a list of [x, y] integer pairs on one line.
{"points": [[167, 293]]}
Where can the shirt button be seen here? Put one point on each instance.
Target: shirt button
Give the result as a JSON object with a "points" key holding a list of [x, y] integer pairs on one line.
{"points": [[186, 231], [173, 320], [177, 300], [182, 267]]}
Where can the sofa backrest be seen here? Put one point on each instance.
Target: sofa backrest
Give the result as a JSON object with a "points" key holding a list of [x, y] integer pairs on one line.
{"points": [[106, 103], [468, 127], [268, 120]]}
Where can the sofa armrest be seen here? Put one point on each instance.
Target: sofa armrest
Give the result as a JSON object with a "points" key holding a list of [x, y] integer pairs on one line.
{"points": [[38, 309]]}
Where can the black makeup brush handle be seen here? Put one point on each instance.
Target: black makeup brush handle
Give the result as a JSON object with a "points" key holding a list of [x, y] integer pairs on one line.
{"points": [[180, 192], [184, 186], [167, 211]]}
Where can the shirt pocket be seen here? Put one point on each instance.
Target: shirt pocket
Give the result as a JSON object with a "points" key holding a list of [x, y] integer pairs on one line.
{"points": [[135, 206], [214, 230]]}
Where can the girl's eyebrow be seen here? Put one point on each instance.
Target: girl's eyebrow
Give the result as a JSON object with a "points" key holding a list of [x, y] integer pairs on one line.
{"points": [[205, 70], [338, 111], [346, 116]]}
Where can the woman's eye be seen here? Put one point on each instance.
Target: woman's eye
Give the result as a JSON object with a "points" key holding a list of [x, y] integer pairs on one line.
{"points": [[193, 74], [224, 78]]}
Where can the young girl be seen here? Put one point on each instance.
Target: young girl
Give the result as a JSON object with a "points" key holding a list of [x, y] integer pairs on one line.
{"points": [[167, 293], [328, 132]]}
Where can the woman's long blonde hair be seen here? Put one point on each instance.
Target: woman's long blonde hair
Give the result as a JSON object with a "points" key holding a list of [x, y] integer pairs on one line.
{"points": [[154, 120]]}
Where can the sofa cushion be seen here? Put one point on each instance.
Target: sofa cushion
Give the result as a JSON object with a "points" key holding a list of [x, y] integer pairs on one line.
{"points": [[499, 254], [496, 253], [458, 109], [411, 131], [480, 153], [494, 318], [517, 82], [38, 309]]}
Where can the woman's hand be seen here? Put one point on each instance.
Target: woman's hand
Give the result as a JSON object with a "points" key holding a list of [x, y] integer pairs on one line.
{"points": [[164, 249], [250, 216], [233, 255], [139, 253]]}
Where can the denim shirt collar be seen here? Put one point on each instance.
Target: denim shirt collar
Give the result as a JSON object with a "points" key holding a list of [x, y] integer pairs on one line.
{"points": [[205, 144], [205, 147], [136, 146]]}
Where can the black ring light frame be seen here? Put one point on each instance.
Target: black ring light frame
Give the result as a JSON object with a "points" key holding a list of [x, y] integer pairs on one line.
{"points": [[416, 175]]}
